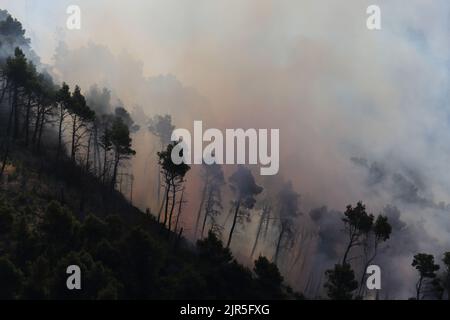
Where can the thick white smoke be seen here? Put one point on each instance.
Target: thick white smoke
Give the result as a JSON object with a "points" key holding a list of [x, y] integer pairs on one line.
{"points": [[336, 90]]}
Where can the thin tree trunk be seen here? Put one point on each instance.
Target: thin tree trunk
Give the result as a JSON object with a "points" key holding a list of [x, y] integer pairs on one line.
{"points": [[88, 152], [131, 189], [350, 245], [200, 208], [207, 212], [5, 158], [60, 125], [179, 210], [41, 130], [5, 87], [105, 166], [174, 194], [114, 176], [166, 192], [36, 124], [280, 238], [236, 212], [168, 184], [74, 130], [27, 121], [16, 112], [8, 142], [368, 262], [255, 244], [419, 288]]}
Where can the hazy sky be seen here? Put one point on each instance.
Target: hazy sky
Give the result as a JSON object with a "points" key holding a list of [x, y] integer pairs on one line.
{"points": [[311, 68]]}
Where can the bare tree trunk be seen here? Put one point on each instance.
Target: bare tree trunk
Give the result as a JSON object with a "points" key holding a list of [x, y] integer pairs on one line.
{"points": [[116, 167], [5, 158], [27, 121], [36, 124], [8, 140], [105, 166], [368, 262], [174, 194], [179, 210], [4, 89], [419, 288], [207, 212], [60, 125], [88, 151], [255, 244], [236, 212], [15, 104], [166, 193], [74, 130], [200, 209], [41, 130], [266, 225], [168, 184], [349, 246], [280, 238]]}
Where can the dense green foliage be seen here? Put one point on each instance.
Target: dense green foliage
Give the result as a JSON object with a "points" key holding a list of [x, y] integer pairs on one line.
{"points": [[118, 258]]}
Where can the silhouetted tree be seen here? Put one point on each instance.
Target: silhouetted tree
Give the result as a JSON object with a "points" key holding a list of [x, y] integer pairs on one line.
{"points": [[81, 115], [424, 263], [16, 75], [243, 185], [46, 102], [162, 128], [121, 144], [268, 278], [357, 224], [173, 175], [380, 232], [341, 282], [63, 101]]}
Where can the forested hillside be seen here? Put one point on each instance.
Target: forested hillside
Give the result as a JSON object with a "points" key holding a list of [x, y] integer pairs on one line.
{"points": [[67, 198], [59, 204]]}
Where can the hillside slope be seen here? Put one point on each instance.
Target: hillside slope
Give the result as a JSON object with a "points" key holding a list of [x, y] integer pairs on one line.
{"points": [[55, 216]]}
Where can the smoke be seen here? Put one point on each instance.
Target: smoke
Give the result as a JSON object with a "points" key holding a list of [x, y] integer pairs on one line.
{"points": [[311, 68], [99, 100]]}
